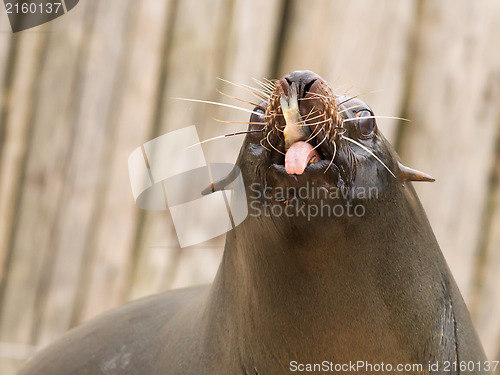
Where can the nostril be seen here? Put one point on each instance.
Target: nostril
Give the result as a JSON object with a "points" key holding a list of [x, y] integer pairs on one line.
{"points": [[307, 87], [303, 83]]}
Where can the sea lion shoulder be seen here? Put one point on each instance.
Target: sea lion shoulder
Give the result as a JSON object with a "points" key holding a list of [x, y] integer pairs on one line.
{"points": [[123, 340]]}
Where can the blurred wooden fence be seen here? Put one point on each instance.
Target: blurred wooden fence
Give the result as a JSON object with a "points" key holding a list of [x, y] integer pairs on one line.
{"points": [[80, 93]]}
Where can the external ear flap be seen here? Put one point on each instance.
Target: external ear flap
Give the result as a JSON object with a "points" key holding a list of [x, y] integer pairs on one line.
{"points": [[409, 174], [222, 183]]}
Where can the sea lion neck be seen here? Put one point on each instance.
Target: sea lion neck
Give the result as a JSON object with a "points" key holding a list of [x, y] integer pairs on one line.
{"points": [[265, 248], [309, 288]]}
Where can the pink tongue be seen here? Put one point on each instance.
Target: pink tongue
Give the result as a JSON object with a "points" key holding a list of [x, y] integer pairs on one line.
{"points": [[297, 157]]}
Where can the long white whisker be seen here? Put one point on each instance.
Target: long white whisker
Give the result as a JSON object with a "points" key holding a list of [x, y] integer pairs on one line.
{"points": [[224, 136], [239, 122], [347, 109], [264, 85], [219, 104], [270, 81], [359, 95], [239, 100], [255, 91], [371, 153], [376, 117]]}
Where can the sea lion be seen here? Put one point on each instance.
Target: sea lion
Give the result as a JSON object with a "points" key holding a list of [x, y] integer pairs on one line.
{"points": [[335, 269]]}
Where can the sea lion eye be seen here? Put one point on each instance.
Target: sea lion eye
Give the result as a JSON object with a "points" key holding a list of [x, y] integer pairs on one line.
{"points": [[366, 123], [259, 110], [257, 119], [257, 115]]}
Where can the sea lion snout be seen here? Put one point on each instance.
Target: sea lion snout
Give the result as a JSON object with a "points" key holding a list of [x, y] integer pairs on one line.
{"points": [[302, 79], [309, 86], [303, 122]]}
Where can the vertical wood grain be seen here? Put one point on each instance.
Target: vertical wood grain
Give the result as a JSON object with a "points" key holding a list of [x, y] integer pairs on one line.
{"points": [[107, 270], [10, 154], [79, 199], [194, 55], [249, 54], [359, 47], [18, 282], [487, 299], [453, 106]]}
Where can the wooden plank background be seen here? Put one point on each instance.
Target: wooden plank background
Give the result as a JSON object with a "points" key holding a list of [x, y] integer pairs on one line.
{"points": [[80, 93]]}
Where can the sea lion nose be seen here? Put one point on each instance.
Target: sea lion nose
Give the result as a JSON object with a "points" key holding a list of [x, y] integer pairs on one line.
{"points": [[303, 79]]}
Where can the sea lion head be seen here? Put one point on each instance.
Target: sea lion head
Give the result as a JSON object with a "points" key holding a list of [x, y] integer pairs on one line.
{"points": [[307, 145]]}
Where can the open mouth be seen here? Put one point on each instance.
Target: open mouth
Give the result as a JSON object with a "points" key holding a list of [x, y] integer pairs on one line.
{"points": [[304, 125]]}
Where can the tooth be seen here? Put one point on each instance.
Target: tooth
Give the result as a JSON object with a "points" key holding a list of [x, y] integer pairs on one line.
{"points": [[314, 159], [294, 130]]}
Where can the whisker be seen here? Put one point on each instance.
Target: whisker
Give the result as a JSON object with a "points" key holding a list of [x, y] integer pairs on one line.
{"points": [[270, 144], [377, 117], [317, 123], [274, 113], [319, 115], [348, 109], [240, 100], [224, 136], [270, 81], [333, 157], [319, 144], [347, 91], [304, 121], [255, 91], [263, 145], [340, 89], [270, 84], [359, 95], [259, 94], [219, 104], [315, 95], [239, 122], [313, 134], [309, 114], [264, 85], [371, 153]]}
